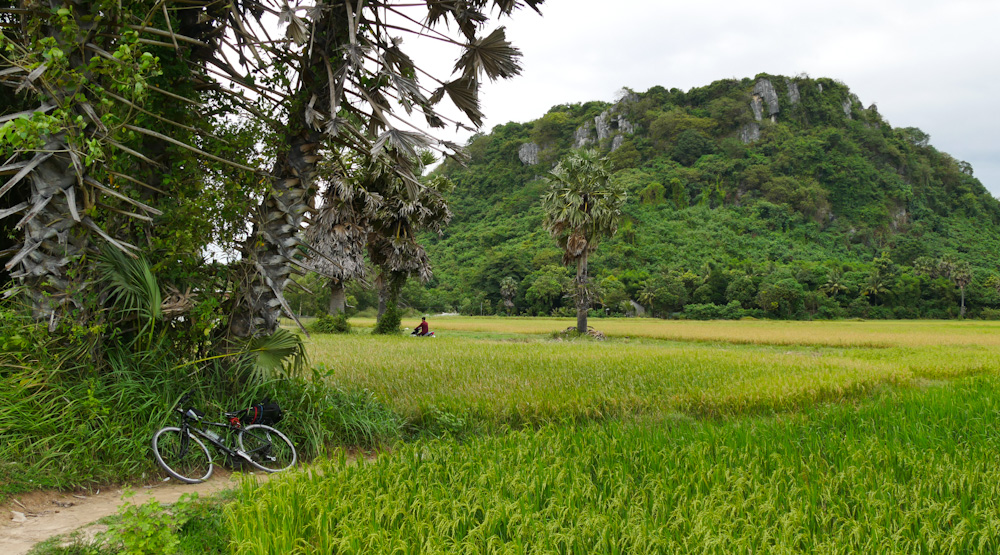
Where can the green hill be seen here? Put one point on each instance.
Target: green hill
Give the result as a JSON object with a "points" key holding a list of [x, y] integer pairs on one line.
{"points": [[771, 196]]}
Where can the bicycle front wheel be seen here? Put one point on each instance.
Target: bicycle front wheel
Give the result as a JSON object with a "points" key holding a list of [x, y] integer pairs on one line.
{"points": [[268, 449], [182, 455]]}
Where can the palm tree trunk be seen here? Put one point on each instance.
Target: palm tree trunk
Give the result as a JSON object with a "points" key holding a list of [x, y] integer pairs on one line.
{"points": [[270, 250], [338, 297], [582, 296], [961, 313], [52, 237], [383, 294]]}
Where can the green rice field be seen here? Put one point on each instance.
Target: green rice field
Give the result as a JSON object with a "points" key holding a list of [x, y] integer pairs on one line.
{"points": [[669, 437]]}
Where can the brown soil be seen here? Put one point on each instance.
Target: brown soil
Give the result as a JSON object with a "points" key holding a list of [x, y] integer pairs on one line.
{"points": [[44, 514]]}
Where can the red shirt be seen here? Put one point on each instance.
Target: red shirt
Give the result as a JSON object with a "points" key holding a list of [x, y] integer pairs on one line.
{"points": [[423, 327]]}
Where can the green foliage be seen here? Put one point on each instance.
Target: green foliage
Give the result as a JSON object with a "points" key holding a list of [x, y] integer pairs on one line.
{"points": [[324, 417], [816, 188], [388, 323], [331, 324], [149, 528]]}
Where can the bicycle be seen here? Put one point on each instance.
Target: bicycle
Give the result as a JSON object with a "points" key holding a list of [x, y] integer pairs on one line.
{"points": [[185, 457]]}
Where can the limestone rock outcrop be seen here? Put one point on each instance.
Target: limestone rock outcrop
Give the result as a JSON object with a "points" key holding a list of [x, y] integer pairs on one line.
{"points": [[528, 153], [764, 91], [610, 124], [793, 91], [581, 137]]}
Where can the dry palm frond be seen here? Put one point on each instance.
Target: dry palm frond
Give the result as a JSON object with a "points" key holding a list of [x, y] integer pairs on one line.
{"points": [[493, 55]]}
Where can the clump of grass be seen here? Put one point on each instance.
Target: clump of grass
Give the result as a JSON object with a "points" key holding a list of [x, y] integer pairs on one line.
{"points": [[911, 471], [324, 416]]}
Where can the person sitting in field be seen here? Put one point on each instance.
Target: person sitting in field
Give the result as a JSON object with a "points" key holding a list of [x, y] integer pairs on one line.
{"points": [[423, 328]]}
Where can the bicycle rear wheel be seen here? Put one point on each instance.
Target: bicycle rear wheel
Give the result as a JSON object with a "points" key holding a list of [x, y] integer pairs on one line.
{"points": [[268, 449], [182, 455]]}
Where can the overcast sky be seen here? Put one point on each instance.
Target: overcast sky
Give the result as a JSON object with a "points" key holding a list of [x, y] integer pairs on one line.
{"points": [[928, 64]]}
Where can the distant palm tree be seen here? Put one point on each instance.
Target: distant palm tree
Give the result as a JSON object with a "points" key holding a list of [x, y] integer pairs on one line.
{"points": [[834, 284], [582, 205], [508, 289], [959, 273], [962, 277], [877, 287]]}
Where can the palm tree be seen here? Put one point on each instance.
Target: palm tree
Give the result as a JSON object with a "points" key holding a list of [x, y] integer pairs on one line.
{"points": [[834, 284], [351, 79], [85, 72], [508, 289], [959, 273], [582, 205], [337, 235], [649, 293], [962, 277], [394, 221]]}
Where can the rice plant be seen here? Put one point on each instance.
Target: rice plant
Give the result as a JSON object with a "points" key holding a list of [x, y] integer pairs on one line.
{"points": [[912, 471]]}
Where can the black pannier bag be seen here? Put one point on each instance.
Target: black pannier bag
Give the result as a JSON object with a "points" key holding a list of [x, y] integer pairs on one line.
{"points": [[266, 412]]}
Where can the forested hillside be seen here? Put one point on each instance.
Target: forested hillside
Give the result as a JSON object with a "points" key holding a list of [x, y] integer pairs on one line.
{"points": [[768, 197]]}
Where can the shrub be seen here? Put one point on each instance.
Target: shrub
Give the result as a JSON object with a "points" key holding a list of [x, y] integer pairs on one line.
{"points": [[389, 322], [990, 314], [331, 324]]}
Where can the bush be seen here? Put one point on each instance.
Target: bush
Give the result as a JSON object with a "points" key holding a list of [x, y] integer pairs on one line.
{"points": [[388, 324], [331, 324], [990, 314]]}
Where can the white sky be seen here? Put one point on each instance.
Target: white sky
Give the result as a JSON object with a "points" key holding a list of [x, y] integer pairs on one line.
{"points": [[928, 64]]}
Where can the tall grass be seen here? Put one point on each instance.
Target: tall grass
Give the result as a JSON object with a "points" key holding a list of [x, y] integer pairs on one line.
{"points": [[78, 413], [912, 471]]}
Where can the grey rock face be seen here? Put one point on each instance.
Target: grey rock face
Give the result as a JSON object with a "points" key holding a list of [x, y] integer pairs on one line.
{"points": [[603, 125], [528, 153], [847, 108], [617, 142], [629, 96], [819, 86], [793, 91], [608, 125], [581, 137], [765, 90], [625, 126], [757, 105], [750, 132]]}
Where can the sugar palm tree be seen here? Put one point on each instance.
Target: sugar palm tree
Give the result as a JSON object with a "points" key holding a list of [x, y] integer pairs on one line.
{"points": [[962, 277], [582, 205], [338, 235], [85, 70], [834, 284], [351, 80], [508, 289]]}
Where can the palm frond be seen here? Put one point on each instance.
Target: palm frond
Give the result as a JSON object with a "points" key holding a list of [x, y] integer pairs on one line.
{"points": [[131, 282], [273, 351], [493, 55]]}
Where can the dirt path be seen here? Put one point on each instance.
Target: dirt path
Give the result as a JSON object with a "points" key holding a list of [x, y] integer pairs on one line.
{"points": [[38, 516]]}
